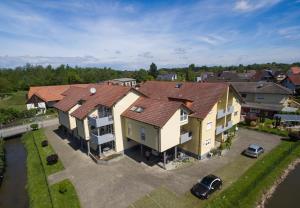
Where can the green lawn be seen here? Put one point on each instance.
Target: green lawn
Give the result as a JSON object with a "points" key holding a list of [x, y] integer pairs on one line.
{"points": [[39, 136], [245, 180], [40, 194], [67, 199], [15, 100], [36, 179]]}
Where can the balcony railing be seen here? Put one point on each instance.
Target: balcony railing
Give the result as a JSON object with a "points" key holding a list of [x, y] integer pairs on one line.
{"points": [[223, 128], [100, 121], [101, 139], [221, 113], [185, 137]]}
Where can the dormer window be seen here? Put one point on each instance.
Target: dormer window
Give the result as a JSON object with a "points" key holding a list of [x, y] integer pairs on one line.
{"points": [[80, 102], [183, 115]]}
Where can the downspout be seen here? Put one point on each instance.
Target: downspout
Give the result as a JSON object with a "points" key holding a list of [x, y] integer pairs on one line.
{"points": [[199, 135]]}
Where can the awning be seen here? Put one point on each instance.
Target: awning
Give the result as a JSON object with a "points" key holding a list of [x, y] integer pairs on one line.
{"points": [[287, 117]]}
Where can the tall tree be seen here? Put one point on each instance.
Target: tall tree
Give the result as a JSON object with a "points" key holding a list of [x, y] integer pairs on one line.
{"points": [[153, 70], [190, 74]]}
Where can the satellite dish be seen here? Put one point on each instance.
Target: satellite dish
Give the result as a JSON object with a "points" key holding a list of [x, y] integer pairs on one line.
{"points": [[93, 90]]}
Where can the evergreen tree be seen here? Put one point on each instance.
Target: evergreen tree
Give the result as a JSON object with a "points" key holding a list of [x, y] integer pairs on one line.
{"points": [[153, 70]]}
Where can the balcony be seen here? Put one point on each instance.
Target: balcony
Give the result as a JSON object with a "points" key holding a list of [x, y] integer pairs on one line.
{"points": [[223, 128], [101, 139], [221, 113], [185, 137], [100, 121]]}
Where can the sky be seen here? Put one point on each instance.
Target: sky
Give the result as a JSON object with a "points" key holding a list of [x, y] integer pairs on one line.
{"points": [[129, 35]]}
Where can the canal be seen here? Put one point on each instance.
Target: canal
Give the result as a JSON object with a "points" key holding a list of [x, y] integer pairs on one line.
{"points": [[287, 193], [12, 191]]}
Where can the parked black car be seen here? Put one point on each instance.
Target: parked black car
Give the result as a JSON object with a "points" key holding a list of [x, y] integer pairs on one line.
{"points": [[207, 186]]}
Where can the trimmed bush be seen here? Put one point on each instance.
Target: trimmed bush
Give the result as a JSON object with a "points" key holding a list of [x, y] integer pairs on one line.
{"points": [[34, 127], [253, 123], [62, 188], [44, 143], [52, 159]]}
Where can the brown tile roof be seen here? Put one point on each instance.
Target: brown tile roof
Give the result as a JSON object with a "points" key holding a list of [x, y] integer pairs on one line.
{"points": [[295, 79], [203, 95], [260, 87], [72, 96], [106, 95], [155, 112], [51, 93]]}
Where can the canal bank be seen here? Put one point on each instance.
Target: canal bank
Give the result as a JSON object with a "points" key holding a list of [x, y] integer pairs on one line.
{"points": [[287, 192], [13, 189]]}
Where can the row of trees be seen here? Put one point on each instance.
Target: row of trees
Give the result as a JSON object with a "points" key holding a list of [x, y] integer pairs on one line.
{"points": [[21, 78]]}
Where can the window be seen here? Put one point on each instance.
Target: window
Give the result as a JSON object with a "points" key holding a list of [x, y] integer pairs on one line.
{"points": [[259, 97], [143, 136], [207, 141], [244, 95], [129, 129], [236, 113], [183, 115], [208, 125]]}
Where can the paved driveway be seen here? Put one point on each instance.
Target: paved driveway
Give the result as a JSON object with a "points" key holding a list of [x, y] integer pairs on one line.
{"points": [[125, 181]]}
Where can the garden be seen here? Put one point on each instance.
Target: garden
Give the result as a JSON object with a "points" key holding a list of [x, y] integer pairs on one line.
{"points": [[272, 126]]}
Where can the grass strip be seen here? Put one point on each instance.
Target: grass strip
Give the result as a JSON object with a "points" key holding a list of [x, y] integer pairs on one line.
{"points": [[248, 189], [67, 199], [37, 186], [39, 136]]}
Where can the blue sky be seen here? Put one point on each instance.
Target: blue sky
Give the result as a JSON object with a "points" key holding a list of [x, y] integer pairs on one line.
{"points": [[132, 34]]}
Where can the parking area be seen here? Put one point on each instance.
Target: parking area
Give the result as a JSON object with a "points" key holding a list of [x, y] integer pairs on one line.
{"points": [[122, 182]]}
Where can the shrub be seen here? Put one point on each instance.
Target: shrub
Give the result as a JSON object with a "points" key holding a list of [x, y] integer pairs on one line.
{"points": [[253, 123], [44, 143], [52, 159], [34, 126], [223, 146], [62, 188]]}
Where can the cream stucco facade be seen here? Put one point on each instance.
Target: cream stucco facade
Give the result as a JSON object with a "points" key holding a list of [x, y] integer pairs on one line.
{"points": [[204, 134]]}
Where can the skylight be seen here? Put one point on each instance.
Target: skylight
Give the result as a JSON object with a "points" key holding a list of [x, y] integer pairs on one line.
{"points": [[137, 109]]}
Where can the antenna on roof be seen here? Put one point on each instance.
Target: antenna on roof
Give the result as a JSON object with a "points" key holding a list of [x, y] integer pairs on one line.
{"points": [[93, 90]]}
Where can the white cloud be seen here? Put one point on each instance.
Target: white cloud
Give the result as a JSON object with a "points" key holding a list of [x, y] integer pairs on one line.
{"points": [[292, 33], [253, 5]]}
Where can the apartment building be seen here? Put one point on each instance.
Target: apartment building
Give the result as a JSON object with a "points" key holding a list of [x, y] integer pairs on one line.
{"points": [[161, 116]]}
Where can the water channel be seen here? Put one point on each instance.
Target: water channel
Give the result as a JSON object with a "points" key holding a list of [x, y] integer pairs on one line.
{"points": [[12, 191], [287, 193]]}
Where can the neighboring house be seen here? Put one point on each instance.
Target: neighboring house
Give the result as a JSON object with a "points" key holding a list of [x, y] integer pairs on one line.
{"points": [[264, 75], [204, 76], [167, 77], [129, 82], [43, 97], [230, 76], [294, 70], [292, 82], [279, 76], [160, 117], [265, 98]]}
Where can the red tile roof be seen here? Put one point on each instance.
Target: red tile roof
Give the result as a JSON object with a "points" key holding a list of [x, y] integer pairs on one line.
{"points": [[203, 95], [155, 112], [106, 95], [295, 70], [295, 79], [51, 93]]}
